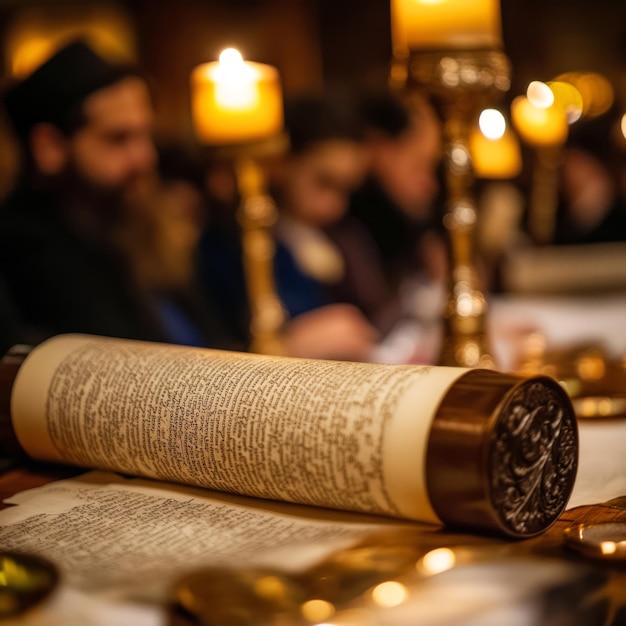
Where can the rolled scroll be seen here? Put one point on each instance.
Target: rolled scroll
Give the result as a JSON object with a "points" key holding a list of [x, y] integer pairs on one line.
{"points": [[470, 448]]}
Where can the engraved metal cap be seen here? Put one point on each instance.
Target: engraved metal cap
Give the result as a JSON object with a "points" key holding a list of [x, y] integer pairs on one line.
{"points": [[502, 454]]}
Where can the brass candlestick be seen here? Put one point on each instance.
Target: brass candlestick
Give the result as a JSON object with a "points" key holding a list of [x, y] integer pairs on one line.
{"points": [[543, 126], [257, 216], [545, 194], [463, 83]]}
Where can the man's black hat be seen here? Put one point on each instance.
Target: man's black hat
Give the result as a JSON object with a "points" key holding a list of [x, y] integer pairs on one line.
{"points": [[53, 91]]}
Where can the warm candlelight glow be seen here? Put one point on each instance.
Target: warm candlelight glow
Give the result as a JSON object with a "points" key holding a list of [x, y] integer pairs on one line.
{"points": [[539, 127], [235, 101], [492, 124], [437, 561], [457, 24], [608, 547], [540, 95], [568, 98], [33, 37], [390, 594], [596, 91], [494, 148], [317, 610]]}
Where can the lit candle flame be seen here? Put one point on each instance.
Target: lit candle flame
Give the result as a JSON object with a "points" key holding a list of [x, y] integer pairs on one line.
{"points": [[236, 101], [492, 124], [540, 95], [231, 57], [235, 88]]}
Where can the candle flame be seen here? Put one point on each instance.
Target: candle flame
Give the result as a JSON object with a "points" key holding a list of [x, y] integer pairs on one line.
{"points": [[540, 94], [492, 124], [231, 57], [236, 81]]}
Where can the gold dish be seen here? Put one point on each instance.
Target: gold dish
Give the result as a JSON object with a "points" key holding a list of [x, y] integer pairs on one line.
{"points": [[595, 381], [25, 581]]}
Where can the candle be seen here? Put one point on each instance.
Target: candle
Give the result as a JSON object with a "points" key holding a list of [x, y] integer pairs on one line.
{"points": [[461, 24], [494, 148], [541, 127], [595, 90], [235, 101]]}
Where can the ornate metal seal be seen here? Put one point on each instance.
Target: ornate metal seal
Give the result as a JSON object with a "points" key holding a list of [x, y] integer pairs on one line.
{"points": [[502, 453], [533, 458]]}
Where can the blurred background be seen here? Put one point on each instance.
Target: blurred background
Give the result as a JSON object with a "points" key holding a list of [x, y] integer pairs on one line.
{"points": [[319, 44], [311, 42]]}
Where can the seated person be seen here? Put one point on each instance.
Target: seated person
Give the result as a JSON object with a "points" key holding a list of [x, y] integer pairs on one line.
{"points": [[70, 231], [311, 186], [395, 204], [592, 207], [325, 164], [173, 223]]}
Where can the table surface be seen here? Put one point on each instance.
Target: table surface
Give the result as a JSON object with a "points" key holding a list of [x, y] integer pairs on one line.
{"points": [[31, 474]]}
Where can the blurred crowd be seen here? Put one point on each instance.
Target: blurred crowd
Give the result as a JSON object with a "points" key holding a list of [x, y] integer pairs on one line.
{"points": [[107, 232]]}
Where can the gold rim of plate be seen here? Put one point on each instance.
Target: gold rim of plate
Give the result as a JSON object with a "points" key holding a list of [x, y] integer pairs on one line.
{"points": [[606, 541]]}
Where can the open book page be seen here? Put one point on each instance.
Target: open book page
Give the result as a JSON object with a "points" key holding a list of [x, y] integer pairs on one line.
{"points": [[341, 435], [133, 538], [121, 544], [602, 462]]}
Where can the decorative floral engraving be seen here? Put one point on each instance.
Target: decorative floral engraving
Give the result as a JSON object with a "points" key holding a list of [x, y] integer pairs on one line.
{"points": [[468, 71], [533, 460]]}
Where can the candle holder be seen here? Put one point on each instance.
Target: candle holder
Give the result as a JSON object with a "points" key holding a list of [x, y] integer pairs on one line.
{"points": [[237, 110], [544, 197], [544, 127], [462, 82], [257, 215]]}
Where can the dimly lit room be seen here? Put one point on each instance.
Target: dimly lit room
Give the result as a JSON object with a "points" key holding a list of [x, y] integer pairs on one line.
{"points": [[312, 312]]}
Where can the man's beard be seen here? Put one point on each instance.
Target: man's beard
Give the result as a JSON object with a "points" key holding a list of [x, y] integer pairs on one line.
{"points": [[95, 211]]}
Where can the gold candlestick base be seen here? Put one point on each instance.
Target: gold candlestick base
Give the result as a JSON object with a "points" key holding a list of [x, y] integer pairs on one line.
{"points": [[462, 82], [257, 215], [464, 341], [545, 194]]}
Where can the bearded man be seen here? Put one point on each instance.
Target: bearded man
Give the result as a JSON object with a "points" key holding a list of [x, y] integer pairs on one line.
{"points": [[85, 128]]}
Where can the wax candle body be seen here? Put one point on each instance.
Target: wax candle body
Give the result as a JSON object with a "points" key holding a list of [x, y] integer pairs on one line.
{"points": [[539, 127], [465, 24], [236, 102], [495, 158]]}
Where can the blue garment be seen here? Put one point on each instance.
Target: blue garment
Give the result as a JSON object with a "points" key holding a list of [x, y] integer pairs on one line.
{"points": [[178, 327], [298, 292]]}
